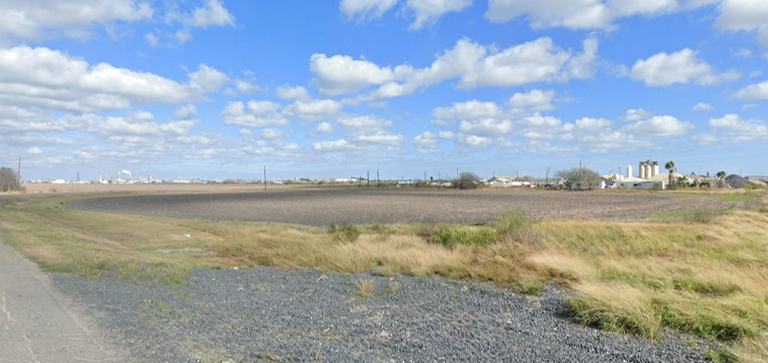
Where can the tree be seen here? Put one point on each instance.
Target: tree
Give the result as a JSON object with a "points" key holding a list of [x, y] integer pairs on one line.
{"points": [[721, 174], [670, 166], [8, 180], [579, 178], [468, 181]]}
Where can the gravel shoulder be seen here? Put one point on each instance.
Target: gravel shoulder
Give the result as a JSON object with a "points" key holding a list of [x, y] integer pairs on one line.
{"points": [[266, 314], [322, 206]]}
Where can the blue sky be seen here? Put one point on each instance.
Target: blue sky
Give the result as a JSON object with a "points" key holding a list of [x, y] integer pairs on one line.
{"points": [[216, 89]]}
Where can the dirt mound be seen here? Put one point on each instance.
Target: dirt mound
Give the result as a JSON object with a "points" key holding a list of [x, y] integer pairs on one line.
{"points": [[736, 181]]}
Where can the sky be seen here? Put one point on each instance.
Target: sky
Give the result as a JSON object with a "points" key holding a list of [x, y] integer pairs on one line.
{"points": [[219, 89]]}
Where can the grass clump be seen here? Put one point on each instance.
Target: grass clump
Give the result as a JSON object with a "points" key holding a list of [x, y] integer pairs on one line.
{"points": [[365, 288]]}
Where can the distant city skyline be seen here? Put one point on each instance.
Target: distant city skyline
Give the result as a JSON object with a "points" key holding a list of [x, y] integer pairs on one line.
{"points": [[217, 89]]}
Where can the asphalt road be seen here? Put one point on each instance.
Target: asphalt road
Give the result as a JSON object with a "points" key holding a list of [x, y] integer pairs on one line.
{"points": [[37, 324]]}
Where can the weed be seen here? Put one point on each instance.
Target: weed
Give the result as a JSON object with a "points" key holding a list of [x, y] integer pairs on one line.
{"points": [[718, 356], [365, 288], [394, 287]]}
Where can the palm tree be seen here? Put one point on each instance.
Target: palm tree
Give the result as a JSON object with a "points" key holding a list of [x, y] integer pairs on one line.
{"points": [[670, 165], [721, 174]]}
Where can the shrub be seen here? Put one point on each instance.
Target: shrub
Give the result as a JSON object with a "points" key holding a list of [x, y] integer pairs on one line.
{"points": [[468, 181]]}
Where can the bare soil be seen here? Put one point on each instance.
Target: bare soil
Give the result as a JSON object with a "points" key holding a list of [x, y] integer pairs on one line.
{"points": [[321, 206]]}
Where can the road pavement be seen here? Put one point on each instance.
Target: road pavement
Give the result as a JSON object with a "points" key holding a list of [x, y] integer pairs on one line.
{"points": [[38, 324]]}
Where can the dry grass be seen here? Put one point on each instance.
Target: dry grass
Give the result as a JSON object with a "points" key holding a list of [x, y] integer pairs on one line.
{"points": [[708, 279]]}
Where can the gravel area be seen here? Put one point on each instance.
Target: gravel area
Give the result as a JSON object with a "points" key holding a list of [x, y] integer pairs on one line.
{"points": [[265, 314], [322, 206]]}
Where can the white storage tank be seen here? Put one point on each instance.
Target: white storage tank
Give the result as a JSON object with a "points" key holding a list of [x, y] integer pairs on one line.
{"points": [[641, 170], [629, 171]]}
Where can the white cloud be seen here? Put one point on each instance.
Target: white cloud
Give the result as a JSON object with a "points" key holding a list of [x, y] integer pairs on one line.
{"points": [[245, 132], [474, 66], [665, 69], [52, 80], [187, 112], [152, 39], [382, 138], [659, 126], [323, 128], [213, 13], [366, 9], [743, 52], [467, 110], [246, 87], [314, 110], [259, 114], [428, 12], [701, 106], [34, 151], [425, 140], [487, 127], [745, 15], [636, 115], [533, 101], [754, 74], [271, 134], [583, 14], [475, 141], [342, 74], [333, 146], [748, 106], [753, 92], [287, 92], [34, 20], [363, 123], [732, 128]]}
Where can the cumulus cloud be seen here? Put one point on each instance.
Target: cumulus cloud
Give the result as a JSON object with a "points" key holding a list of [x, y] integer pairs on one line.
{"points": [[343, 74], [33, 20], [313, 110], [425, 140], [428, 12], [360, 142], [665, 69], [753, 92], [363, 123], [425, 12], [636, 115], [258, 114], [287, 92], [472, 64], [271, 134], [745, 15], [659, 126], [187, 112], [212, 13], [583, 14], [534, 101], [487, 127], [467, 110], [366, 9], [732, 128], [52, 80], [701, 106], [323, 128]]}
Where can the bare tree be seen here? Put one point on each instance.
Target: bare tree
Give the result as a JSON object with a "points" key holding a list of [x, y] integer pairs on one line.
{"points": [[8, 180]]}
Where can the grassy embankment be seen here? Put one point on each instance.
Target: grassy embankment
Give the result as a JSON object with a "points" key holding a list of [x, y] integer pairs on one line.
{"points": [[704, 273]]}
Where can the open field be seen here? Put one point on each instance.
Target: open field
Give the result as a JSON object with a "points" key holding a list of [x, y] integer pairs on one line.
{"points": [[321, 206], [688, 269]]}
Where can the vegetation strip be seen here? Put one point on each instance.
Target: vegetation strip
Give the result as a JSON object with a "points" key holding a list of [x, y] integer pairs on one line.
{"points": [[708, 277]]}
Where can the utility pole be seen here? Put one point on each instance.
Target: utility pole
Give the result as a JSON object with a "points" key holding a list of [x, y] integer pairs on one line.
{"points": [[18, 175], [377, 178], [548, 169], [425, 177], [368, 180], [457, 173], [265, 177]]}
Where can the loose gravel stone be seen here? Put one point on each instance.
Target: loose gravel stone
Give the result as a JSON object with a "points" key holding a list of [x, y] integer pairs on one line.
{"points": [[266, 314]]}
